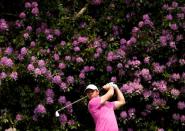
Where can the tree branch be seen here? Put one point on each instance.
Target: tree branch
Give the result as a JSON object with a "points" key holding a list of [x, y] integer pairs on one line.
{"points": [[81, 12]]}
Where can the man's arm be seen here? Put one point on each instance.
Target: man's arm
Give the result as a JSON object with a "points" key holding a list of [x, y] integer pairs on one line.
{"points": [[108, 94], [120, 98]]}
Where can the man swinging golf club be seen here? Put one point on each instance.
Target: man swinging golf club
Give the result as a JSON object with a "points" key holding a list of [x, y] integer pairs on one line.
{"points": [[101, 109]]}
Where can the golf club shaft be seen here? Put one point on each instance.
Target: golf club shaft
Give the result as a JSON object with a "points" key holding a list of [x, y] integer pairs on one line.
{"points": [[72, 103]]}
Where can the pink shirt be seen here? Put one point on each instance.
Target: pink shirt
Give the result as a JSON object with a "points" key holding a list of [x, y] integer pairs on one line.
{"points": [[103, 115]]}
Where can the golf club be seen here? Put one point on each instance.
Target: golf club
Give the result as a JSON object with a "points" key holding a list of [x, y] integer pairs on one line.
{"points": [[57, 112]]}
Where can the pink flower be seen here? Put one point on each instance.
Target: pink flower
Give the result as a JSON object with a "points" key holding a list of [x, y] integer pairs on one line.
{"points": [[8, 50], [181, 105], [132, 87], [76, 49], [183, 76], [34, 4], [119, 65], [63, 86], [62, 100], [71, 122], [30, 67], [157, 68], [41, 63], [113, 79], [99, 50], [110, 56], [159, 102], [47, 31], [6, 61], [56, 57], [135, 30], [160, 129], [175, 4], [62, 65], [14, 75], [172, 44], [141, 24], [96, 2], [29, 28], [133, 40], [147, 60], [96, 55], [40, 109], [160, 85], [180, 16], [3, 75], [62, 43], [176, 116], [82, 75], [49, 37], [49, 100], [182, 62], [182, 118], [70, 79], [175, 77], [86, 68], [18, 24], [82, 39], [24, 51], [163, 40], [134, 63], [43, 70], [169, 17], [27, 5], [35, 11], [33, 59], [22, 15], [37, 71], [68, 58], [57, 79], [19, 117], [57, 32], [63, 118], [147, 94], [79, 60], [175, 92], [145, 73], [49, 93], [91, 68], [26, 35], [123, 41], [174, 26], [75, 43], [123, 114], [146, 17]]}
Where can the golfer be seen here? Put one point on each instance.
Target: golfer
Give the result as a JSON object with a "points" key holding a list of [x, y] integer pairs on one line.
{"points": [[101, 109]]}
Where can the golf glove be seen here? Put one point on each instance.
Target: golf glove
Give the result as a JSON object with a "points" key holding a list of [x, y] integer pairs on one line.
{"points": [[113, 85]]}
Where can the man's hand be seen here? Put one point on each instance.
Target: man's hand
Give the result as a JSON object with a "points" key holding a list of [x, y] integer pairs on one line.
{"points": [[107, 87], [113, 85], [109, 93]]}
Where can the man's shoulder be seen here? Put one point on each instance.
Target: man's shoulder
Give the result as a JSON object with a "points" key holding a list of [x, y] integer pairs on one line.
{"points": [[94, 100]]}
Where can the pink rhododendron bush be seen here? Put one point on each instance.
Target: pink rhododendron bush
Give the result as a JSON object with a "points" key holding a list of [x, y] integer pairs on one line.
{"points": [[51, 50]]}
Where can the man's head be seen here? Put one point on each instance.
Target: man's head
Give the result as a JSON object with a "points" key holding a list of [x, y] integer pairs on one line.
{"points": [[92, 91]]}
